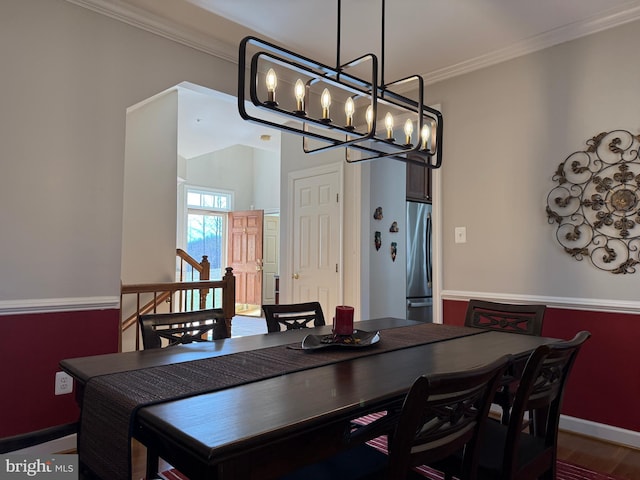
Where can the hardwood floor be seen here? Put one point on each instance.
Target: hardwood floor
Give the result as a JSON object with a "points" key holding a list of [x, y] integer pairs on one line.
{"points": [[616, 460]]}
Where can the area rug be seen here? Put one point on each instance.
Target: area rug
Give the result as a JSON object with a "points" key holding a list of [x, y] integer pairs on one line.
{"points": [[565, 471]]}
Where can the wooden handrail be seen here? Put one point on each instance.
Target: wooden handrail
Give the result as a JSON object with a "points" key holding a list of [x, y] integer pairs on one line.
{"points": [[171, 286], [203, 267]]}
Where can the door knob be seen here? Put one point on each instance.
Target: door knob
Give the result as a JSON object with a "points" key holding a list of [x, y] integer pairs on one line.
{"points": [[295, 276]]}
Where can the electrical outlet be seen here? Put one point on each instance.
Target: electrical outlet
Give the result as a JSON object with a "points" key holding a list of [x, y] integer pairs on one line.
{"points": [[64, 383]]}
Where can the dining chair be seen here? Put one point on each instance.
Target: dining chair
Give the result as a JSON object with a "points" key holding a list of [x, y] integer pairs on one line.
{"points": [[441, 415], [165, 329], [512, 318], [293, 316], [506, 317], [510, 453]]}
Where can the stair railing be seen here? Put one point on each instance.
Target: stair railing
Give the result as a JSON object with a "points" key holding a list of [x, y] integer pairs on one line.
{"points": [[177, 297]]}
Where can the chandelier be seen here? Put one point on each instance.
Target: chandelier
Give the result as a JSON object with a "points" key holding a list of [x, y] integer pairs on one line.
{"points": [[334, 107]]}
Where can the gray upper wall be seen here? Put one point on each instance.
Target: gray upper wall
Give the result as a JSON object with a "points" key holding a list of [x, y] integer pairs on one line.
{"points": [[69, 74], [507, 128]]}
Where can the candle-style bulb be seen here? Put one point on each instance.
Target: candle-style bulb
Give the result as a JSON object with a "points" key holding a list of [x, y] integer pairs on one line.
{"points": [[388, 123], [408, 130], [349, 109], [424, 136], [299, 94], [325, 101], [272, 83], [369, 117]]}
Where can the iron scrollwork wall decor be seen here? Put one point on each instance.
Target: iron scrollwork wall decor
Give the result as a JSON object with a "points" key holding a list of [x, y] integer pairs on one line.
{"points": [[596, 204]]}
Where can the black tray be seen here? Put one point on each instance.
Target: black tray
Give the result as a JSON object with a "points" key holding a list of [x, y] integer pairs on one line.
{"points": [[359, 339]]}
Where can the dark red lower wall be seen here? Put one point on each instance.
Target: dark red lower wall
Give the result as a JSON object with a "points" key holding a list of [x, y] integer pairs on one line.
{"points": [[604, 386], [31, 345]]}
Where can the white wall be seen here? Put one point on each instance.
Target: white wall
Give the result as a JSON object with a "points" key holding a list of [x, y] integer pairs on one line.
{"points": [[149, 213], [252, 174], [266, 180], [228, 169], [507, 129]]}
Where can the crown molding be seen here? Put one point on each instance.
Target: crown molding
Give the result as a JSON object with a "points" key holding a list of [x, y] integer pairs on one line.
{"points": [[539, 42], [163, 27], [179, 33]]}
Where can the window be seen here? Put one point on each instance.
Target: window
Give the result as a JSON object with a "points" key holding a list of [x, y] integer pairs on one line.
{"points": [[206, 226]]}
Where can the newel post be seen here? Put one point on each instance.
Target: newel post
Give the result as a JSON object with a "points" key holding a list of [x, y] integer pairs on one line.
{"points": [[229, 300]]}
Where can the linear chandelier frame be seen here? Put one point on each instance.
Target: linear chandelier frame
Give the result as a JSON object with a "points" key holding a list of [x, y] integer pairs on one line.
{"points": [[319, 132]]}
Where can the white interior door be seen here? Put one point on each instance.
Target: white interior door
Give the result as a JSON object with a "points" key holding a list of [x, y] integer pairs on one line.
{"points": [[271, 260], [316, 240]]}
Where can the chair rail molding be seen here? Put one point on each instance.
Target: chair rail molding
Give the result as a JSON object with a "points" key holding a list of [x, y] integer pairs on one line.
{"points": [[569, 303], [52, 305]]}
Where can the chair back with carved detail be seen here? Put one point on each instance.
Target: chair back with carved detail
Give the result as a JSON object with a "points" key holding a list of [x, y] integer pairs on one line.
{"points": [[293, 316], [512, 318], [509, 451], [442, 415], [166, 329], [440, 421]]}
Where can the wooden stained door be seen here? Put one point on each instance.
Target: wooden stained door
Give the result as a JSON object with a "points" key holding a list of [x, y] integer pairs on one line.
{"points": [[245, 255]]}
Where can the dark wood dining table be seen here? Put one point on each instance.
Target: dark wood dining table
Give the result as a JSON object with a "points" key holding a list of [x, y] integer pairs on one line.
{"points": [[265, 427]]}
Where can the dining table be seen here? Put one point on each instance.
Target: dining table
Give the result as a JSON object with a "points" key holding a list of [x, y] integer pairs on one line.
{"points": [[259, 406]]}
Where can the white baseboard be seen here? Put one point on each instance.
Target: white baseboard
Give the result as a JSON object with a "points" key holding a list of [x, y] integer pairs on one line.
{"points": [[600, 431], [588, 428]]}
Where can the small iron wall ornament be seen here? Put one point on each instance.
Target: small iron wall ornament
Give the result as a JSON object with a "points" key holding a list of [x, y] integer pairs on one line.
{"points": [[596, 204]]}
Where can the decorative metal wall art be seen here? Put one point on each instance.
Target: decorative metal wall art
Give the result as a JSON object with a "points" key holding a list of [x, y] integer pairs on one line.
{"points": [[596, 204]]}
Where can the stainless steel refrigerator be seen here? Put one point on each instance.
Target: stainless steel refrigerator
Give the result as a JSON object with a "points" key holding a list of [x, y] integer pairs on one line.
{"points": [[419, 266]]}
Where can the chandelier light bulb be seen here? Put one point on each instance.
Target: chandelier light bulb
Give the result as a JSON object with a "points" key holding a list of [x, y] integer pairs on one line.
{"points": [[325, 101], [272, 83], [408, 130], [425, 135], [349, 109], [388, 123], [299, 94], [369, 117]]}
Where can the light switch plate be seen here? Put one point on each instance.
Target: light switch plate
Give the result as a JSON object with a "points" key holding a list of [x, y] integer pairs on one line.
{"points": [[461, 234]]}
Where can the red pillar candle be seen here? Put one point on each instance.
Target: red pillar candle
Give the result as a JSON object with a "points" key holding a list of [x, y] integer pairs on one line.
{"points": [[343, 321]]}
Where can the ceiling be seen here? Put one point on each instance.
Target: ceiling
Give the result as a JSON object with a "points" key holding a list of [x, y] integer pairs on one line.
{"points": [[208, 121], [436, 39]]}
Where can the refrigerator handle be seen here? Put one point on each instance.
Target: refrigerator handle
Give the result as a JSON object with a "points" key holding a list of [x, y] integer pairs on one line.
{"points": [[428, 252]]}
